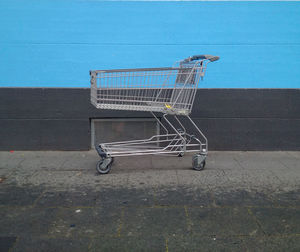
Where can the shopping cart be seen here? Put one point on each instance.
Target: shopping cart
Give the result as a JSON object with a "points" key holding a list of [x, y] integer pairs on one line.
{"points": [[170, 91]]}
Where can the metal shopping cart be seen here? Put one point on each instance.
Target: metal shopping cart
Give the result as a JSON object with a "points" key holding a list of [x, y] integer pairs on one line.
{"points": [[170, 91]]}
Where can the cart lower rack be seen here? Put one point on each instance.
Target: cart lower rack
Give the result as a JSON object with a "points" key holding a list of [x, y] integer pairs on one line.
{"points": [[170, 91]]}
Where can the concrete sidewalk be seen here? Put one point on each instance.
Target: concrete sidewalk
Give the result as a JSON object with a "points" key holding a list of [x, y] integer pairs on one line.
{"points": [[242, 201]]}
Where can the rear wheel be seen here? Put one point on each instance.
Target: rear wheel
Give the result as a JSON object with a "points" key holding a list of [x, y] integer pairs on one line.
{"points": [[199, 162]]}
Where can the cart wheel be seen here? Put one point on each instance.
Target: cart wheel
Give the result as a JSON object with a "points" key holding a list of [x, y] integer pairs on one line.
{"points": [[103, 166], [181, 153], [199, 162]]}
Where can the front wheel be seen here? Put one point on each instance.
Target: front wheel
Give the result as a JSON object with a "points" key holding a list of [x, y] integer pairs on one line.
{"points": [[103, 166]]}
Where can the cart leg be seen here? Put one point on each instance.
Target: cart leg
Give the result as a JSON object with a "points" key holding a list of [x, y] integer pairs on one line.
{"points": [[160, 123], [181, 153], [199, 159], [203, 145], [180, 135], [182, 131]]}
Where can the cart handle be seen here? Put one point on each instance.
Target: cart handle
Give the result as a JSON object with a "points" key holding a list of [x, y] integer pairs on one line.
{"points": [[211, 58]]}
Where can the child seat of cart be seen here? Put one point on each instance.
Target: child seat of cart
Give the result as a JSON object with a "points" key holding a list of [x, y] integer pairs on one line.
{"points": [[185, 81], [186, 75], [175, 96]]}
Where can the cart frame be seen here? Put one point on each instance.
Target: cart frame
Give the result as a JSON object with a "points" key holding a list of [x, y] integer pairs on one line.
{"points": [[168, 90]]}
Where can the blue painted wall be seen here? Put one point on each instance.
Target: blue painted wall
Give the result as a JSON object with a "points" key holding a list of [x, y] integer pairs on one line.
{"points": [[53, 43]]}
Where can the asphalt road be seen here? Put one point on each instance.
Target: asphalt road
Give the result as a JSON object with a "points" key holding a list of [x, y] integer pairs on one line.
{"points": [[242, 201]]}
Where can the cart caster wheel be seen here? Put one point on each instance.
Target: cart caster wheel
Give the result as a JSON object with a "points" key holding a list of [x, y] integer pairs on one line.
{"points": [[199, 162], [103, 166], [181, 153]]}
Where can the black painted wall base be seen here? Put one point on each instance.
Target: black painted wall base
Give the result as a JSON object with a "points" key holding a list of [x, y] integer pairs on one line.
{"points": [[232, 119]]}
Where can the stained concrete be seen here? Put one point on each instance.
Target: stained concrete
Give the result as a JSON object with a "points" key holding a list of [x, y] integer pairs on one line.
{"points": [[55, 201]]}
